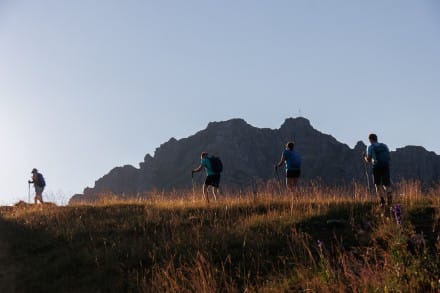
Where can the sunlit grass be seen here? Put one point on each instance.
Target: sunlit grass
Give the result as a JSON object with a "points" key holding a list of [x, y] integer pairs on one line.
{"points": [[319, 239]]}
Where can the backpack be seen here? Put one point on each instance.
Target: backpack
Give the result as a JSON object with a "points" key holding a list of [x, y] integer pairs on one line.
{"points": [[40, 180], [382, 154], [293, 159], [216, 164]]}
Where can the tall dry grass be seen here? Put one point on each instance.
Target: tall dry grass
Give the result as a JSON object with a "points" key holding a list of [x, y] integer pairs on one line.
{"points": [[265, 239]]}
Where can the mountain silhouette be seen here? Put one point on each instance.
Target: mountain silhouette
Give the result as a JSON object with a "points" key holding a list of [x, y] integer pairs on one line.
{"points": [[250, 153]]}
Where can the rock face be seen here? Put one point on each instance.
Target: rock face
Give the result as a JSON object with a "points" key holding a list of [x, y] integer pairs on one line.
{"points": [[249, 153]]}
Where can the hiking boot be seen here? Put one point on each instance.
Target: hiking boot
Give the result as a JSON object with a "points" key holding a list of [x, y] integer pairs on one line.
{"points": [[389, 199], [382, 201]]}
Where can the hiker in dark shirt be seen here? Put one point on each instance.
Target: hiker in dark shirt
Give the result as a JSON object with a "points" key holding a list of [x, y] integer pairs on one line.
{"points": [[212, 177], [292, 160], [378, 154], [39, 184]]}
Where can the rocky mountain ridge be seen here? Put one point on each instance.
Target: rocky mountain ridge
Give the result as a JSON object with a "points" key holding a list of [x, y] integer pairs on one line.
{"points": [[249, 153]]}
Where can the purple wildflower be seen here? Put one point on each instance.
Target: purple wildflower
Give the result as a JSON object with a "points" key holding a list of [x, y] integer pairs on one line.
{"points": [[397, 211], [320, 245]]}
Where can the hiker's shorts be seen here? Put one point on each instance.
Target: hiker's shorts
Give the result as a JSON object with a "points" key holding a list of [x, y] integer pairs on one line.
{"points": [[381, 175], [213, 180], [39, 190], [295, 173]]}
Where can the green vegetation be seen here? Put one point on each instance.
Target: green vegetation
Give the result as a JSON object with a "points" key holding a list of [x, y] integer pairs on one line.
{"points": [[324, 240]]}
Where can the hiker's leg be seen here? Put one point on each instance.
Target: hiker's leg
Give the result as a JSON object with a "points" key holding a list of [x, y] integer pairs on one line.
{"points": [[290, 184], [206, 185], [380, 194], [377, 180], [215, 186], [37, 194], [292, 179], [205, 192], [40, 197], [287, 183], [387, 190], [214, 189], [387, 186], [294, 184]]}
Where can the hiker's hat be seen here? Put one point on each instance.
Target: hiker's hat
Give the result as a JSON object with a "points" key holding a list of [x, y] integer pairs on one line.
{"points": [[34, 170]]}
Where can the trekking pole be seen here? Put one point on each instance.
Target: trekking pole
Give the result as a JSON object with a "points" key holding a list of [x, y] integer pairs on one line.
{"points": [[368, 178], [278, 179], [367, 175], [192, 180], [29, 192], [254, 187]]}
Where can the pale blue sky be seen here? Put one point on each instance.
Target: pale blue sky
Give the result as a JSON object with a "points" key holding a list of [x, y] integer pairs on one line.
{"points": [[89, 85]]}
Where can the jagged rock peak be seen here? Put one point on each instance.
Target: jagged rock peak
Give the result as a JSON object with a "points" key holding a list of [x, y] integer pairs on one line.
{"points": [[296, 122], [170, 142], [148, 158], [412, 148], [235, 122], [148, 161], [360, 145]]}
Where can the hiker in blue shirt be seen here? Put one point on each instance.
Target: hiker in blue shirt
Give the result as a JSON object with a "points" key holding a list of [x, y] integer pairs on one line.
{"points": [[378, 154], [39, 184], [292, 160], [212, 177]]}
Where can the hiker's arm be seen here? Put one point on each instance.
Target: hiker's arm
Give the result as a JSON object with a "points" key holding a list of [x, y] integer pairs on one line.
{"points": [[283, 158], [368, 156], [367, 159], [198, 169]]}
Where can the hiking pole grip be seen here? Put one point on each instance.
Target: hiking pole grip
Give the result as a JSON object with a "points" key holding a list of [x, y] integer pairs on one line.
{"points": [[192, 183]]}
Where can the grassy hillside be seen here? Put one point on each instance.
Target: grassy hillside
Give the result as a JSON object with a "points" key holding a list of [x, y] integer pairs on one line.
{"points": [[324, 240]]}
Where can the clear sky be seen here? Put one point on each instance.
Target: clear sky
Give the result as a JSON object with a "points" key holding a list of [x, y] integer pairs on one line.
{"points": [[86, 86]]}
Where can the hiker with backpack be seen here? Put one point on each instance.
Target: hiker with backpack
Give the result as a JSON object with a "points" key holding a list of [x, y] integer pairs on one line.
{"points": [[292, 159], [39, 184], [378, 154], [213, 167]]}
